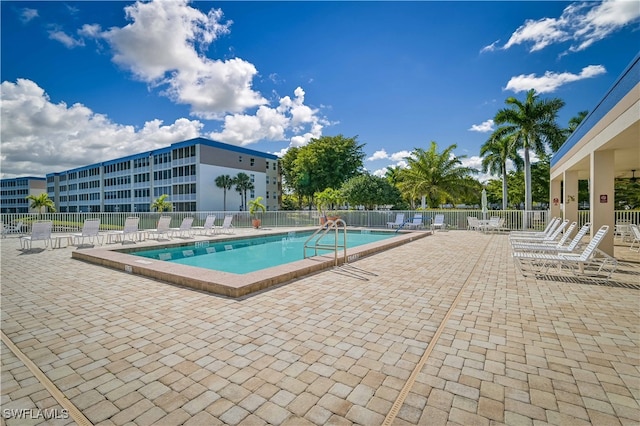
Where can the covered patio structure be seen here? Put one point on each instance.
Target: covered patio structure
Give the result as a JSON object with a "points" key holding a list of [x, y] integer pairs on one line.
{"points": [[604, 147]]}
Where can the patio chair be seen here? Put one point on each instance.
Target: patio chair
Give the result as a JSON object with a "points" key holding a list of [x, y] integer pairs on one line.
{"points": [[438, 223], [162, 228], [208, 226], [559, 247], [581, 263], [494, 224], [416, 222], [635, 234], [40, 231], [12, 229], [226, 227], [90, 230], [398, 223], [130, 231], [473, 224], [185, 228]]}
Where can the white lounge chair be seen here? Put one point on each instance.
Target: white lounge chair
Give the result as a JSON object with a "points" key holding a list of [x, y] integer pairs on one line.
{"points": [[398, 223], [438, 223], [130, 231], [416, 222], [551, 237], [552, 247], [227, 227], [162, 228], [40, 231], [578, 263], [635, 235], [551, 226], [90, 230], [208, 226], [184, 229], [12, 229]]}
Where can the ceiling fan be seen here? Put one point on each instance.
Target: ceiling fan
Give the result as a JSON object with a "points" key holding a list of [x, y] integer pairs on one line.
{"points": [[632, 179]]}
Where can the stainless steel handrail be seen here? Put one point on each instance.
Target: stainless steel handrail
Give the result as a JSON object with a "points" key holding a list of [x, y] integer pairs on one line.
{"points": [[329, 225]]}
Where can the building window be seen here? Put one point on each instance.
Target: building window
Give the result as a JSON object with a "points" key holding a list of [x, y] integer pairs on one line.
{"points": [[252, 161]]}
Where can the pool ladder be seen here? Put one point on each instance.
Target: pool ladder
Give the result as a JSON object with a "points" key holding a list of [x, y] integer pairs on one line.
{"points": [[314, 242]]}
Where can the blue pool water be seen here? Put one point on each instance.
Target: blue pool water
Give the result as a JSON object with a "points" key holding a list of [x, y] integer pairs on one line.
{"points": [[253, 254]]}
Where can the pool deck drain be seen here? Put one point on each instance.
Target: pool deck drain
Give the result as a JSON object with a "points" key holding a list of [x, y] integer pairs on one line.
{"points": [[226, 283]]}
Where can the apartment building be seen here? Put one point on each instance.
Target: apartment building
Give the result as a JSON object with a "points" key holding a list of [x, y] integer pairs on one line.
{"points": [[185, 171], [14, 193]]}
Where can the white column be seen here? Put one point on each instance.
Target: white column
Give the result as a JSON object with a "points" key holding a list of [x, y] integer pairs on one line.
{"points": [[555, 197], [570, 195], [601, 196]]}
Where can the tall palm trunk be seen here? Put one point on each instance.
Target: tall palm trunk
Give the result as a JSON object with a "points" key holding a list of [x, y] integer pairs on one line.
{"points": [[224, 200], [505, 189]]}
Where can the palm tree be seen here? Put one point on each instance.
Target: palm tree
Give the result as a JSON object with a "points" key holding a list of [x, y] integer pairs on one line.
{"points": [[243, 184], [226, 183], [437, 176], [40, 202], [495, 152], [533, 125], [574, 122], [161, 204]]}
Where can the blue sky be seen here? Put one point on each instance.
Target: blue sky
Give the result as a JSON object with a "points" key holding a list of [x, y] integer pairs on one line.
{"points": [[84, 82]]}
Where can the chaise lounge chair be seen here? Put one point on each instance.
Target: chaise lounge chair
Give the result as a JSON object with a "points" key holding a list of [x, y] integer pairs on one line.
{"points": [[227, 227], [130, 231], [438, 223], [416, 222], [551, 226], [12, 229], [552, 247], [185, 228], [635, 234], [90, 230], [589, 259], [398, 223], [162, 228], [551, 237], [40, 231], [209, 224]]}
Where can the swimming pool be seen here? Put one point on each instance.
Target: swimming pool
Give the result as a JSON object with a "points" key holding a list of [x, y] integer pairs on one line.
{"points": [[229, 283], [246, 255]]}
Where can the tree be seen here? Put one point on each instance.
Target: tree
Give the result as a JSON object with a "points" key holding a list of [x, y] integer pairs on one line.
{"points": [[41, 201], [161, 204], [226, 183], [370, 191], [325, 162], [495, 153], [436, 175], [243, 183], [533, 125]]}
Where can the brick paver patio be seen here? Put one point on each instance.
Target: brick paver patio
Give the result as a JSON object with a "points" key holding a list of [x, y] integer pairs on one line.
{"points": [[443, 330]]}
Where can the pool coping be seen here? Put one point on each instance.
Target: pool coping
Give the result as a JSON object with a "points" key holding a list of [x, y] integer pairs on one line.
{"points": [[226, 283]]}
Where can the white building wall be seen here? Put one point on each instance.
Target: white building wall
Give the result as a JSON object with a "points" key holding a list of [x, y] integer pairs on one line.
{"points": [[211, 198]]}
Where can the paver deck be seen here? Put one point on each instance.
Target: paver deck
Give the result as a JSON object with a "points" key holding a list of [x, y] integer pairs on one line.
{"points": [[443, 330]]}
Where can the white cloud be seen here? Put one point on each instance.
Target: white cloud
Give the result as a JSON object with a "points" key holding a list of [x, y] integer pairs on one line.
{"points": [[399, 157], [27, 14], [484, 127], [65, 39], [380, 172], [551, 81], [291, 119], [379, 155], [582, 24], [491, 47], [38, 135], [163, 47]]}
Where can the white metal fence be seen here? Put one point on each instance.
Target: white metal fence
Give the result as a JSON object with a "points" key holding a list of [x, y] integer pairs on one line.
{"points": [[455, 219]]}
